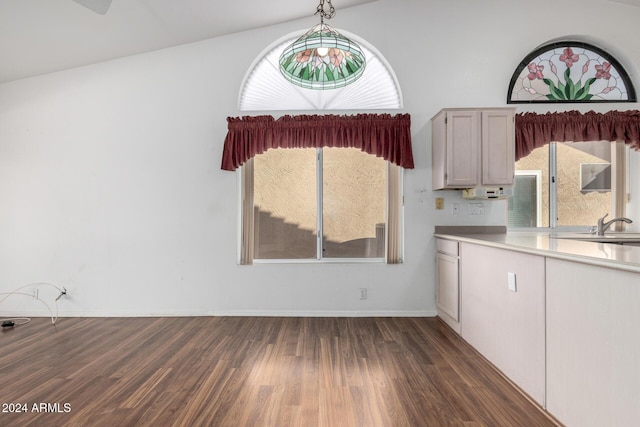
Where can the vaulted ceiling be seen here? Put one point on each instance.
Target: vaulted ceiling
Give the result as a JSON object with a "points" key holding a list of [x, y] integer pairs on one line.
{"points": [[42, 36]]}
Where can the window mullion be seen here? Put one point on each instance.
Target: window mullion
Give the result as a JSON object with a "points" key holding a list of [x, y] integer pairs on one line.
{"points": [[553, 185], [619, 178], [319, 181]]}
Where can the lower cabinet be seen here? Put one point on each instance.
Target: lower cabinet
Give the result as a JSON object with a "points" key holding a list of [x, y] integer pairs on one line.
{"points": [[566, 333], [503, 312], [593, 345], [448, 283]]}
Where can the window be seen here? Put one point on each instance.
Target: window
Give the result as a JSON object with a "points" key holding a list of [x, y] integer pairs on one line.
{"points": [[525, 206], [341, 218], [569, 185], [380, 135], [570, 72], [336, 193], [264, 88]]}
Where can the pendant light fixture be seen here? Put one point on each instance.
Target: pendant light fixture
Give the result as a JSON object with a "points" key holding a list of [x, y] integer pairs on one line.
{"points": [[322, 58]]}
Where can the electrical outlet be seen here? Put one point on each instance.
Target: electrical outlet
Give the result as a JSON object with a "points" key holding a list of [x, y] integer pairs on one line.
{"points": [[455, 208], [439, 203], [511, 278], [363, 293]]}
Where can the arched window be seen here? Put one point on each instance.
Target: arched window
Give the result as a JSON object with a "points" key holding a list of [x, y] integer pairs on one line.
{"points": [[570, 72], [265, 89], [325, 200]]}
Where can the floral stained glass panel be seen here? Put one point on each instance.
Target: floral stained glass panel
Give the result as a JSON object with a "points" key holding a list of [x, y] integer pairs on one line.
{"points": [[568, 73]]}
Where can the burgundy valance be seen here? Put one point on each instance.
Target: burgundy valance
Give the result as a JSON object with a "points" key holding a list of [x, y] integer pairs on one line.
{"points": [[535, 130], [380, 134]]}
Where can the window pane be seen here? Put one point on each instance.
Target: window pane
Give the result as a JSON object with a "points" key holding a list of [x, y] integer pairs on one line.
{"points": [[354, 198], [537, 162], [285, 204], [583, 183], [584, 189], [523, 206]]}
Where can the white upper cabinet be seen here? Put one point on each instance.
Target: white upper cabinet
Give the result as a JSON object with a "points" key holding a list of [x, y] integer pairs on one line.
{"points": [[473, 147]]}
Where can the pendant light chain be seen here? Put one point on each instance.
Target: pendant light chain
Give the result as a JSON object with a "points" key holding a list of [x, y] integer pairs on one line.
{"points": [[323, 14]]}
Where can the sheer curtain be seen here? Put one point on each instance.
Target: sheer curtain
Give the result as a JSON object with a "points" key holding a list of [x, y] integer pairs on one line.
{"points": [[247, 247], [382, 135], [393, 253]]}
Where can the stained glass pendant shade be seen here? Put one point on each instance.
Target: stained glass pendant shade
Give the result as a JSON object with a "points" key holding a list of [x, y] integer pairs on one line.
{"points": [[570, 72], [322, 58]]}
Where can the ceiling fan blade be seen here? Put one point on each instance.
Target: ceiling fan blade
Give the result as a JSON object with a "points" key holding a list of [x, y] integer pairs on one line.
{"points": [[98, 6]]}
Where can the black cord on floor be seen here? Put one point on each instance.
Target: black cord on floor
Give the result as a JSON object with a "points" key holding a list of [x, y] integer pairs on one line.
{"points": [[12, 322]]}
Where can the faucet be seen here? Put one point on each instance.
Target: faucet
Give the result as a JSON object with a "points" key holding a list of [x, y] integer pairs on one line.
{"points": [[604, 226]]}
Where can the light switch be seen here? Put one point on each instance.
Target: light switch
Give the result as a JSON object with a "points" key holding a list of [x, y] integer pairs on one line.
{"points": [[512, 281]]}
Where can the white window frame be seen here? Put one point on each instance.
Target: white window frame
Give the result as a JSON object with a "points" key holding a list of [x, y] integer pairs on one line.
{"points": [[619, 186], [394, 215]]}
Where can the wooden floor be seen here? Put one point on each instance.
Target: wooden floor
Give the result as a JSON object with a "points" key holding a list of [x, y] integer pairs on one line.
{"points": [[248, 371]]}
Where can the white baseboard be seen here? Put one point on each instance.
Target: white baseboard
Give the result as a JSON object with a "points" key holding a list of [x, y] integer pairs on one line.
{"points": [[230, 313]]}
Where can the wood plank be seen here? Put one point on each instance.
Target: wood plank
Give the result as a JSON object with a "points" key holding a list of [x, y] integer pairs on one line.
{"points": [[246, 371]]}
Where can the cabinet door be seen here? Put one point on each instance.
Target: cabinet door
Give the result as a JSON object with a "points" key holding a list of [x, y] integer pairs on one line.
{"points": [[447, 297], [498, 147], [463, 148]]}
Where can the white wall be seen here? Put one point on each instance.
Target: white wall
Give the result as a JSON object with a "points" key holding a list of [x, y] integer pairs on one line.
{"points": [[110, 180]]}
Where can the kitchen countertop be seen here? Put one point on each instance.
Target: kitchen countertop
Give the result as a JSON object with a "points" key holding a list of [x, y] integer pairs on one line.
{"points": [[610, 255]]}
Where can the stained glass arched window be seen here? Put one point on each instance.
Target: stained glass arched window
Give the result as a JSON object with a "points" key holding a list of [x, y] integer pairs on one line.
{"points": [[570, 72]]}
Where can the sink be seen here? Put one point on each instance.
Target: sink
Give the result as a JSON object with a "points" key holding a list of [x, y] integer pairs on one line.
{"points": [[607, 238]]}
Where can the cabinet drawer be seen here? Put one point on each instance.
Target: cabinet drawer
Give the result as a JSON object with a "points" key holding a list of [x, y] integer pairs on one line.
{"points": [[449, 247]]}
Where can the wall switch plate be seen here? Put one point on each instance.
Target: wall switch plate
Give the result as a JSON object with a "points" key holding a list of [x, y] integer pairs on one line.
{"points": [[476, 208], [511, 277]]}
